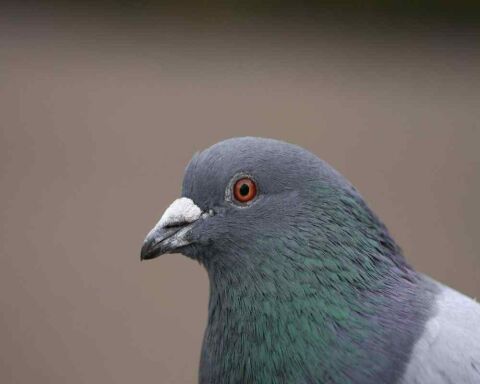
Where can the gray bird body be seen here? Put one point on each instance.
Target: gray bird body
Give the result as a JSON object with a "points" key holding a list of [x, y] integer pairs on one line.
{"points": [[306, 284], [448, 350]]}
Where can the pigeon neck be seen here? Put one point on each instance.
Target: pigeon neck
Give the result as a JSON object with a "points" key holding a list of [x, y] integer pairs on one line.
{"points": [[330, 299], [283, 326]]}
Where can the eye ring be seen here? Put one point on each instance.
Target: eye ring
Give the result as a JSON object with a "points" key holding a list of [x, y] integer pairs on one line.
{"points": [[244, 190]]}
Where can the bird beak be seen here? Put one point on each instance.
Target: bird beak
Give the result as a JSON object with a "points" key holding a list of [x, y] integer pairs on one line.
{"points": [[171, 232]]}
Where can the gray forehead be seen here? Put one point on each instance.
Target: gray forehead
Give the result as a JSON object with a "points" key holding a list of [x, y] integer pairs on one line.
{"points": [[276, 166]]}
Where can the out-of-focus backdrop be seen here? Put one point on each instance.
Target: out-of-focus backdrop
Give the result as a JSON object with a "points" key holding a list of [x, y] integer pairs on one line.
{"points": [[102, 106]]}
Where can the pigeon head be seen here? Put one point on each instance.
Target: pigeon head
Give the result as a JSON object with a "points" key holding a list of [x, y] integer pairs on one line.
{"points": [[305, 281], [249, 202]]}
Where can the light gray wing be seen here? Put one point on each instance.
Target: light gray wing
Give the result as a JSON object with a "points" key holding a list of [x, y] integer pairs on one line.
{"points": [[449, 349]]}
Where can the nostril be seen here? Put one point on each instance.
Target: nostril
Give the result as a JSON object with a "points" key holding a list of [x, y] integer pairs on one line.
{"points": [[182, 211]]}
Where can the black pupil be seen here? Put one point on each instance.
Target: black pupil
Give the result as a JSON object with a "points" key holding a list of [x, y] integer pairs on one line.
{"points": [[244, 189]]}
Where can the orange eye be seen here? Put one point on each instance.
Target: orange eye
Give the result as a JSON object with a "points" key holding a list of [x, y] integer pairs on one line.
{"points": [[244, 190]]}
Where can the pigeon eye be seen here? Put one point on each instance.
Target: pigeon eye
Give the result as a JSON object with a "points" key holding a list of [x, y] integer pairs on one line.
{"points": [[244, 190]]}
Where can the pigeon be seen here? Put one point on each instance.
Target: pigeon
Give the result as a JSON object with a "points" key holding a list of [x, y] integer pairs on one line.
{"points": [[306, 283]]}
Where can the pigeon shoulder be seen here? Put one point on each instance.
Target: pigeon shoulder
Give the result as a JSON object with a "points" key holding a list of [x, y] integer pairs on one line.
{"points": [[449, 349]]}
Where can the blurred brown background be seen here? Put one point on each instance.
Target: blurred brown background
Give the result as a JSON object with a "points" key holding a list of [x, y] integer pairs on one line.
{"points": [[100, 111]]}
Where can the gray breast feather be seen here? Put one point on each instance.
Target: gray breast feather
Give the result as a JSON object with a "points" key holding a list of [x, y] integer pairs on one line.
{"points": [[449, 348]]}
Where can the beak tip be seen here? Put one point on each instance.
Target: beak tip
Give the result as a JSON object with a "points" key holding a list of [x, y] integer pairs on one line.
{"points": [[146, 251]]}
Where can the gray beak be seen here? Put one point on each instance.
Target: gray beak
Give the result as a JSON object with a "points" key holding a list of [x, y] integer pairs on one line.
{"points": [[171, 232]]}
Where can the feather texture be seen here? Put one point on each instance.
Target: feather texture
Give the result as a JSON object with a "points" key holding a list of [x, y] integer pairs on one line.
{"points": [[449, 349]]}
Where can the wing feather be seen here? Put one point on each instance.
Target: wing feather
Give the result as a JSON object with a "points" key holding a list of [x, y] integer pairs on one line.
{"points": [[449, 349]]}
